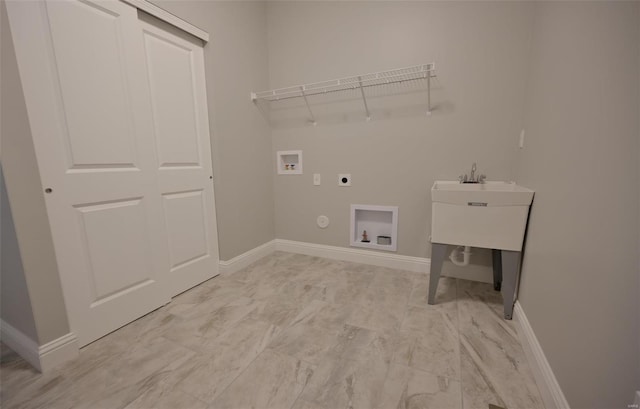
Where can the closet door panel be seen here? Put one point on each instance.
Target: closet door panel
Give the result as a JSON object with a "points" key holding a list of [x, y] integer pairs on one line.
{"points": [[88, 42], [82, 70], [105, 255], [175, 66], [187, 228], [172, 94]]}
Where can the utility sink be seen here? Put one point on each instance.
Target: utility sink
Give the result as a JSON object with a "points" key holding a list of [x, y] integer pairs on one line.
{"points": [[490, 215]]}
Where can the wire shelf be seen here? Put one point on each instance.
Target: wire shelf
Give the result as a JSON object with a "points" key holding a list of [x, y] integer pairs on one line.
{"points": [[358, 82]]}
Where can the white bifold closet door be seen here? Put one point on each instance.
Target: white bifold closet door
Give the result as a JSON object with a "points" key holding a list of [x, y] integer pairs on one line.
{"points": [[175, 71], [117, 107]]}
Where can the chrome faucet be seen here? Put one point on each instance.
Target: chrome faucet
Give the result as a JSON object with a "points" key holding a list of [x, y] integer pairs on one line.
{"points": [[472, 179]]}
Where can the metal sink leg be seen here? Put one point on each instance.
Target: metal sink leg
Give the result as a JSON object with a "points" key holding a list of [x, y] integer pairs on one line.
{"points": [[497, 269], [510, 275], [438, 253]]}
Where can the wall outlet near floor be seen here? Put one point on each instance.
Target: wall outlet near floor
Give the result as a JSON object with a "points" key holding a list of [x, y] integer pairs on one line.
{"points": [[344, 179]]}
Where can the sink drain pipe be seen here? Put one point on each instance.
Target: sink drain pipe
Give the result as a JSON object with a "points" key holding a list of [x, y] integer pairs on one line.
{"points": [[466, 255]]}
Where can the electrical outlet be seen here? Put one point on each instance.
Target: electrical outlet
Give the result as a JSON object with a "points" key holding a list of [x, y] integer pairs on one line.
{"points": [[344, 179], [316, 179], [522, 139]]}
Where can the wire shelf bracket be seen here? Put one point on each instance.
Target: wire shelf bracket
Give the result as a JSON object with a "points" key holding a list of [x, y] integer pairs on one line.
{"points": [[395, 76]]}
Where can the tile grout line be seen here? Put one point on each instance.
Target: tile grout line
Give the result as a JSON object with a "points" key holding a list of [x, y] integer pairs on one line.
{"points": [[240, 373], [459, 344], [404, 317], [303, 386], [220, 393], [298, 397], [186, 393], [252, 361], [406, 307], [428, 372]]}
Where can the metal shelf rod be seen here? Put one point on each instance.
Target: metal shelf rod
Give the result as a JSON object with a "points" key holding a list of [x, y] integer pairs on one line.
{"points": [[364, 99], [306, 101], [428, 95]]}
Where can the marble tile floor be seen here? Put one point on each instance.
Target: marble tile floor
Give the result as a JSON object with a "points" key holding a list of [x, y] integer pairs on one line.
{"points": [[294, 331]]}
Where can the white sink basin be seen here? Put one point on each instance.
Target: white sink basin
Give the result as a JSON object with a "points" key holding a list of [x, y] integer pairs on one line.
{"points": [[491, 215], [491, 193]]}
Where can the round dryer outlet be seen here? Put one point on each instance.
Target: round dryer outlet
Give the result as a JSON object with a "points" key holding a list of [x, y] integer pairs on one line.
{"points": [[344, 179], [323, 221]]}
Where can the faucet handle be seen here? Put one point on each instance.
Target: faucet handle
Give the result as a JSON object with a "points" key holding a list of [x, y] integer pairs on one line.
{"points": [[482, 178], [461, 178]]}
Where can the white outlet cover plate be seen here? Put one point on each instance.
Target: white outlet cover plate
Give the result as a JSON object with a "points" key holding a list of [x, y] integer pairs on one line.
{"points": [[346, 176], [323, 221], [316, 179]]}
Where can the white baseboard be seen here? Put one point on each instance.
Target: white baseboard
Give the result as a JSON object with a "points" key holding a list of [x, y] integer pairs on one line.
{"points": [[385, 259], [550, 390], [20, 344], [58, 351], [382, 259], [243, 260], [417, 264], [42, 357]]}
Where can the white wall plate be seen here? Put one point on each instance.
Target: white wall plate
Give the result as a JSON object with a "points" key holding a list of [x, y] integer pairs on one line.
{"points": [[289, 162], [322, 221]]}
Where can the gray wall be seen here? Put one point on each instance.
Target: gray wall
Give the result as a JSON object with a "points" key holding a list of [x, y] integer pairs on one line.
{"points": [[579, 284], [20, 170], [15, 304], [236, 64], [481, 58]]}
